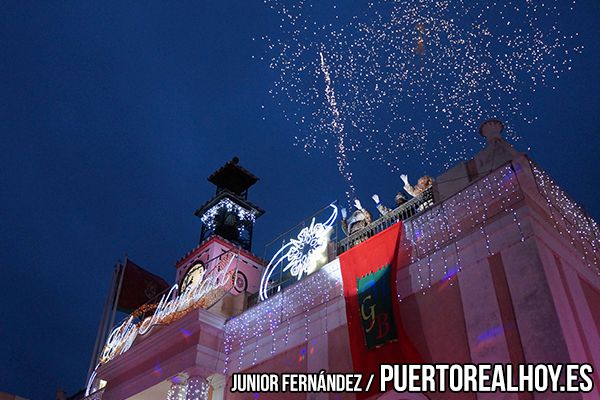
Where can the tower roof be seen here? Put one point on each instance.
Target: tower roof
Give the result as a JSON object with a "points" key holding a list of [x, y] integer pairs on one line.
{"points": [[233, 177]]}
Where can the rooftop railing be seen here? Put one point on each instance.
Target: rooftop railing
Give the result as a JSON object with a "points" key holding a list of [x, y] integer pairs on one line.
{"points": [[411, 208]]}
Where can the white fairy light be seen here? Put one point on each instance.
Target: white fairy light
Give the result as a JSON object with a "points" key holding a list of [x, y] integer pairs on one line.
{"points": [[208, 218], [570, 220], [177, 391], [227, 345], [440, 228], [272, 319], [197, 389], [500, 187]]}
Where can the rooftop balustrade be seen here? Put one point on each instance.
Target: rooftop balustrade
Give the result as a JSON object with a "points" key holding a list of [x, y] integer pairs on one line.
{"points": [[411, 208]]}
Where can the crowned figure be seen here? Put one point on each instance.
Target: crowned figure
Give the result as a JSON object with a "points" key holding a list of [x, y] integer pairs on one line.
{"points": [[422, 185], [383, 210], [359, 219]]}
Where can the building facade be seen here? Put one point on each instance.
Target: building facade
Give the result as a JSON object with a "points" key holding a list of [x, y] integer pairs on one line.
{"points": [[502, 267]]}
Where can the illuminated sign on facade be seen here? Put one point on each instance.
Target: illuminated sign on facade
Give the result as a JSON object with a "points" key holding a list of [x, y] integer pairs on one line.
{"points": [[202, 292], [302, 255]]}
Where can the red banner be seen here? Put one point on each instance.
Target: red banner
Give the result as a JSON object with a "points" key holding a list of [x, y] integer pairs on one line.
{"points": [[138, 287], [374, 324]]}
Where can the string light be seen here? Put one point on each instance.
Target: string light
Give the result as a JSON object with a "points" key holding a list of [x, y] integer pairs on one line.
{"points": [[570, 220], [197, 389], [227, 346], [178, 390], [225, 204], [440, 228], [276, 313]]}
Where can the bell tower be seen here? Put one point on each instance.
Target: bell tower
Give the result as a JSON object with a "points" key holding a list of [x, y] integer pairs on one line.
{"points": [[229, 214], [227, 223]]}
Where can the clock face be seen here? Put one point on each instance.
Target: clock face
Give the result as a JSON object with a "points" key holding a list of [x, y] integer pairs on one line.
{"points": [[240, 282], [192, 276]]}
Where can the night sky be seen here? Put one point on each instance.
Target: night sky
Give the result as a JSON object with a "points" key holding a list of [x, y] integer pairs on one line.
{"points": [[113, 115]]}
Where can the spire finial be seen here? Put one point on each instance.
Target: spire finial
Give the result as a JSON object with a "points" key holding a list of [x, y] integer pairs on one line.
{"points": [[491, 129]]}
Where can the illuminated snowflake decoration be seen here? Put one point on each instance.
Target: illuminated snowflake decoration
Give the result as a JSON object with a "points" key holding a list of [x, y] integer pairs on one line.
{"points": [[310, 241], [302, 254]]}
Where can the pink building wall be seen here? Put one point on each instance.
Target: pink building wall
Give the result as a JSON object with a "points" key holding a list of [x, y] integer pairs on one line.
{"points": [[498, 274]]}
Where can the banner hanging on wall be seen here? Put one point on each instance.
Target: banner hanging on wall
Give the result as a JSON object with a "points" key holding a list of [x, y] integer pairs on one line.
{"points": [[374, 323]]}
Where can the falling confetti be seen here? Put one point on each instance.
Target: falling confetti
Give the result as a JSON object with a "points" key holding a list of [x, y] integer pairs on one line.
{"points": [[337, 127], [409, 81]]}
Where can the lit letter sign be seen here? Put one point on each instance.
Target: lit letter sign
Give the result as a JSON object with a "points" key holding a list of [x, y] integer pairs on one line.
{"points": [[170, 307]]}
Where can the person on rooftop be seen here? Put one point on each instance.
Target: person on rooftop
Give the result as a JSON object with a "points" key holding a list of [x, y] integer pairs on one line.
{"points": [[422, 185], [383, 210], [359, 219]]}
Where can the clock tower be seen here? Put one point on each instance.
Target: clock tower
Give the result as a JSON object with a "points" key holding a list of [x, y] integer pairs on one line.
{"points": [[229, 214], [227, 223]]}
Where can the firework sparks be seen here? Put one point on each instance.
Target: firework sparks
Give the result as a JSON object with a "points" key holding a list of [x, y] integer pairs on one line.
{"points": [[337, 127], [413, 78]]}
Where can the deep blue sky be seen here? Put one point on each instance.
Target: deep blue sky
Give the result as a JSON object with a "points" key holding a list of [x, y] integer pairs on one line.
{"points": [[113, 115]]}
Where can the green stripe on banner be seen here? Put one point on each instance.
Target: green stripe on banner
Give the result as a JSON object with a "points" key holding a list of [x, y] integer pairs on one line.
{"points": [[374, 298]]}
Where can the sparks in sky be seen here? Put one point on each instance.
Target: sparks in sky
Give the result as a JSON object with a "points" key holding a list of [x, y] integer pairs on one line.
{"points": [[409, 81], [337, 127]]}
